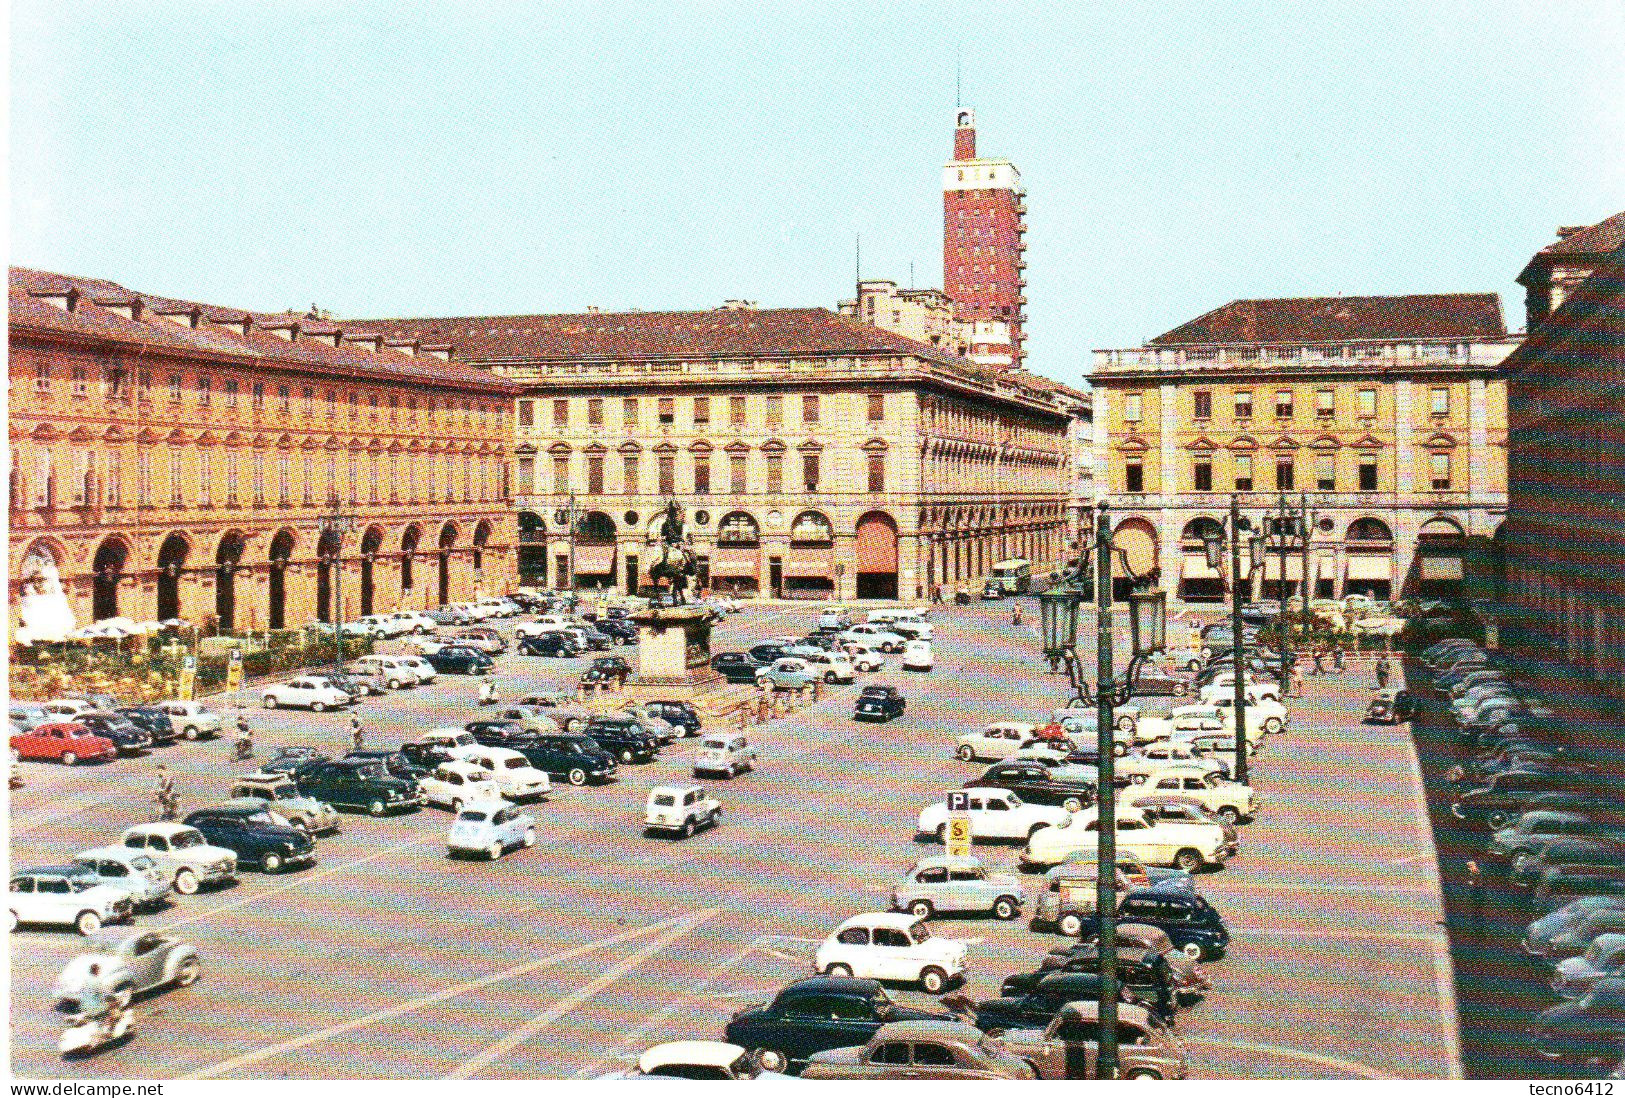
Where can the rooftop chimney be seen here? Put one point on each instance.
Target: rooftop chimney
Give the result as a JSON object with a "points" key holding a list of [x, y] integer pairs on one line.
{"points": [[1566, 231]]}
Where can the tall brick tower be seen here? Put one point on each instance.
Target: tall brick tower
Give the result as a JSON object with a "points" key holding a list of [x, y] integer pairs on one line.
{"points": [[983, 260]]}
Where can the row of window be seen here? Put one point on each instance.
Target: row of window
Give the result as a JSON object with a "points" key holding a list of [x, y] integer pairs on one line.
{"points": [[1285, 404], [1286, 473], [114, 383], [699, 411], [90, 481], [1429, 351], [700, 480]]}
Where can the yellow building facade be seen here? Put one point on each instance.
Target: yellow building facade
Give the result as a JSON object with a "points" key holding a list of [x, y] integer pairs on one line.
{"points": [[1386, 416]]}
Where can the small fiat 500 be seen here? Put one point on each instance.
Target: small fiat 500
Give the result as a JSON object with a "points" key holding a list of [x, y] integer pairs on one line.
{"points": [[491, 829]]}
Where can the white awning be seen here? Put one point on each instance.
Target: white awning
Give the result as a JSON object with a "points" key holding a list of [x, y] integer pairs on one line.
{"points": [[1372, 566], [1272, 567], [733, 562], [595, 560], [1139, 547], [1194, 567], [1441, 568]]}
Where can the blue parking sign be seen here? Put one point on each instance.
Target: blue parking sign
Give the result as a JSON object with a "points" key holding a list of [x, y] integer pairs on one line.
{"points": [[959, 801]]}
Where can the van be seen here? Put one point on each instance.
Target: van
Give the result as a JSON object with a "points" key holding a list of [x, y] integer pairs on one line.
{"points": [[683, 809]]}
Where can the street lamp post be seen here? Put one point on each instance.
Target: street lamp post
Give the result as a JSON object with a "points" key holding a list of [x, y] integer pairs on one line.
{"points": [[1213, 544], [567, 515], [338, 524], [1059, 608], [1291, 532]]}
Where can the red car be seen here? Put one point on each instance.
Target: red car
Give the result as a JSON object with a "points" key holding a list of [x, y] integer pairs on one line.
{"points": [[66, 743]]}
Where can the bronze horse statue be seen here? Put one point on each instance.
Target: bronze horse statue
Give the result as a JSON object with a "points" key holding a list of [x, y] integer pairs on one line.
{"points": [[676, 563]]}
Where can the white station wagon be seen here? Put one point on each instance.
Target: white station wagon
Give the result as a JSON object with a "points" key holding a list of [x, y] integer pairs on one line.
{"points": [[1185, 846], [397, 673], [891, 946], [994, 814]]}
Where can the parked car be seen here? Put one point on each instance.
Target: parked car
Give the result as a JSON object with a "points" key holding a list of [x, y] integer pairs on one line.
{"points": [[917, 656], [683, 809], [736, 667], [459, 660], [701, 1061], [395, 764], [482, 639], [131, 871], [126, 737], [727, 754], [497, 733], [491, 828], [891, 946], [1035, 1009], [865, 655], [1183, 845], [879, 703], [553, 645], [994, 814], [1188, 983], [622, 736], [1037, 783], [62, 896], [1143, 973], [68, 744], [1501, 798], [512, 772], [279, 793], [949, 885], [421, 667], [410, 621], [1231, 801], [999, 740], [787, 673], [1603, 958], [192, 720], [576, 759], [1069, 1047], [920, 1051], [562, 707], [249, 830], [152, 720], [831, 667], [139, 964], [183, 854], [455, 743], [26, 716], [884, 639], [304, 692], [536, 719], [456, 783], [1587, 1029], [679, 714], [362, 785], [661, 730], [812, 1015]]}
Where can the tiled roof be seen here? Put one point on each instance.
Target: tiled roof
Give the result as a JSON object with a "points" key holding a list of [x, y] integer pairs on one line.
{"points": [[1328, 319], [1599, 239], [719, 333], [1583, 337], [30, 312]]}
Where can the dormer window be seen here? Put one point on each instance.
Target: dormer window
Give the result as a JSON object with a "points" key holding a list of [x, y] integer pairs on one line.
{"points": [[66, 300]]}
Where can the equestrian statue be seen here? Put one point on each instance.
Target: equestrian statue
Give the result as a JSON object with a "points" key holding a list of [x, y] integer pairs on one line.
{"points": [[676, 563]]}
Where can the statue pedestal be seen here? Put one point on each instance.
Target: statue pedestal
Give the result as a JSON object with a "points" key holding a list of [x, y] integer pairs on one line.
{"points": [[674, 655]]}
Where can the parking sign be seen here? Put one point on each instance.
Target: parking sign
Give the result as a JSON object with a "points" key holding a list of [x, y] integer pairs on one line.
{"points": [[958, 801]]}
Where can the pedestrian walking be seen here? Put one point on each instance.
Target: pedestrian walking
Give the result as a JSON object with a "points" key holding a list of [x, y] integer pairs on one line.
{"points": [[245, 738], [1337, 659], [168, 803], [357, 737], [1318, 668], [1382, 672]]}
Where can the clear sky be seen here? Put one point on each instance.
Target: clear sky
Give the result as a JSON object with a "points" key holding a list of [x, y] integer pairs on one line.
{"points": [[470, 158]]}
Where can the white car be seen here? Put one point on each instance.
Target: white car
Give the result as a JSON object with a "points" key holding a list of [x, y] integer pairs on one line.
{"points": [[456, 783], [459, 743], [304, 692], [724, 754], [1232, 801], [546, 623], [994, 814], [419, 666], [491, 828], [1189, 725], [1185, 846], [1138, 767], [397, 674], [382, 625], [191, 720], [682, 808], [891, 946], [511, 772], [58, 897], [884, 639], [865, 656], [833, 617], [66, 709], [917, 656], [996, 742], [1259, 721], [694, 1060], [1256, 691], [831, 666], [1269, 711]]}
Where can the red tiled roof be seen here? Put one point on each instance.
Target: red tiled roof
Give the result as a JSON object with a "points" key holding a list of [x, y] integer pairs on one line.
{"points": [[29, 312], [1584, 336], [719, 333], [1328, 319], [1599, 239]]}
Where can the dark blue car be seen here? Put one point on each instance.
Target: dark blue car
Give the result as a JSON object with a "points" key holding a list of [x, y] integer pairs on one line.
{"points": [[457, 660], [817, 1014]]}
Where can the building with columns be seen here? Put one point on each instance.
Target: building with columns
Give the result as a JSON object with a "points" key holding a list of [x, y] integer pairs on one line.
{"points": [[171, 459], [1565, 543], [814, 456], [1387, 414]]}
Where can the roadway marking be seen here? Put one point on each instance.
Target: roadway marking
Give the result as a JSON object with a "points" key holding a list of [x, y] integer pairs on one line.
{"points": [[1340, 935], [468, 1068], [39, 817], [297, 882], [1353, 1067], [1444, 973], [409, 1006]]}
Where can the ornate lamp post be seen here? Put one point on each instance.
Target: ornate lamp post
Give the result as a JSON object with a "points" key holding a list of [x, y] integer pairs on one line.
{"points": [[337, 523], [1059, 609], [1288, 529], [1214, 543]]}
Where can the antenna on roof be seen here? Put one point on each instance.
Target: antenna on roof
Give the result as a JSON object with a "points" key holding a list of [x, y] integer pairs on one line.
{"points": [[857, 272], [911, 274], [957, 67]]}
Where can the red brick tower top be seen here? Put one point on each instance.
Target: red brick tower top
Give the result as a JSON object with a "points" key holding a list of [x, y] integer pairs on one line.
{"points": [[983, 265]]}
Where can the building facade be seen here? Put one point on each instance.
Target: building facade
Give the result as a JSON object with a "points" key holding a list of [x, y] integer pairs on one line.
{"points": [[984, 261], [930, 317], [814, 457], [1565, 543], [1387, 415], [242, 470]]}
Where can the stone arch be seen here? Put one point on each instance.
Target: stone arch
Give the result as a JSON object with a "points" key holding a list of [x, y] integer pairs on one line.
{"points": [[875, 550], [1368, 529], [371, 541], [280, 553], [107, 570], [480, 539], [172, 554], [409, 547]]}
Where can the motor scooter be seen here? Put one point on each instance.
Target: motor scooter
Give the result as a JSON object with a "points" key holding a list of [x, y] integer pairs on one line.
{"points": [[87, 1033]]}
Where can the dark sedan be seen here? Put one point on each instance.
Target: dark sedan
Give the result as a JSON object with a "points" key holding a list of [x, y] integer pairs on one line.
{"points": [[557, 645], [395, 763], [459, 660], [736, 667], [623, 737], [1038, 784], [499, 733], [1142, 973], [152, 720], [817, 1014], [112, 726], [1034, 1009], [879, 703]]}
